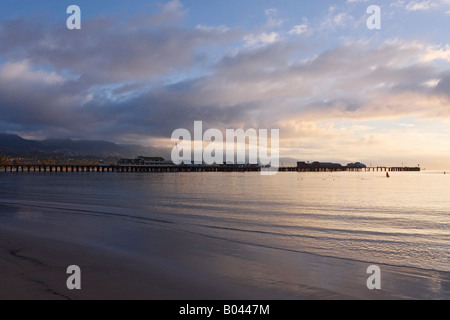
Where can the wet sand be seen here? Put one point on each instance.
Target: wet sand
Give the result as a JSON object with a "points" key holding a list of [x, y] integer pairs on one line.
{"points": [[180, 265]]}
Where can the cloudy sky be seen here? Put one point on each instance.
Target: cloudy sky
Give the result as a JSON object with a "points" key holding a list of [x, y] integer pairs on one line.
{"points": [[138, 70]]}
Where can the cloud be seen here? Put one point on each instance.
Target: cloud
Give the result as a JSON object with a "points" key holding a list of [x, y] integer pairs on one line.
{"points": [[252, 40], [105, 51], [171, 13], [33, 98], [272, 19], [73, 83], [146, 78], [21, 73], [437, 53], [422, 5], [419, 5], [300, 28], [262, 86], [337, 18]]}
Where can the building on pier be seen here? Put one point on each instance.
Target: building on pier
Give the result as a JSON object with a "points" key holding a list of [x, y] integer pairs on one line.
{"points": [[319, 166], [356, 165], [329, 166], [145, 161]]}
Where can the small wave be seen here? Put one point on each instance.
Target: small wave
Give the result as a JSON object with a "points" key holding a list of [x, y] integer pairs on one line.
{"points": [[91, 212]]}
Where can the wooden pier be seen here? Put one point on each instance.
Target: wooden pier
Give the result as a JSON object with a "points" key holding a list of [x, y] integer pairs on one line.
{"points": [[121, 168], [181, 168], [391, 169], [367, 169]]}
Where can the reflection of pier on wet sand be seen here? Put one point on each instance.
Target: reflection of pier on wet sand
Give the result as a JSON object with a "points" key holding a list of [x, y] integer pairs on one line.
{"points": [[173, 168]]}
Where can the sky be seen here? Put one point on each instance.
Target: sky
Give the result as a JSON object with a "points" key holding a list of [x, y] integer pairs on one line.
{"points": [[138, 70]]}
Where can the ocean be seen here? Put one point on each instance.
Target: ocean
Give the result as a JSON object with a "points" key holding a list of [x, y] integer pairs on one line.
{"points": [[402, 221]]}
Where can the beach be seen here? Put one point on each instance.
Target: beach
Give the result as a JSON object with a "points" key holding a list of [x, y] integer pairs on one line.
{"points": [[34, 267], [187, 237], [219, 150]]}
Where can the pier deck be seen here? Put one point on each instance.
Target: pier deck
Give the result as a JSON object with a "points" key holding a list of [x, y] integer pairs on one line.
{"points": [[174, 168]]}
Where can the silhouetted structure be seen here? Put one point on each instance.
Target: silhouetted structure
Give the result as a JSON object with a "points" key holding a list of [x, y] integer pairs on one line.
{"points": [[319, 166], [357, 166], [145, 161], [160, 165]]}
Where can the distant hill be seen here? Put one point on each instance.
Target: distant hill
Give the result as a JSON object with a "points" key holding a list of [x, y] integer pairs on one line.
{"points": [[14, 144]]}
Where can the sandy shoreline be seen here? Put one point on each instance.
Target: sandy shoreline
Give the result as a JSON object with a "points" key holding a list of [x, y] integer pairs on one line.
{"points": [[35, 268], [196, 268]]}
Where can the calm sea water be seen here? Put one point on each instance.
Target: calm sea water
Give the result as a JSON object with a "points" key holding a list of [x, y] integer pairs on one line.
{"points": [[402, 221]]}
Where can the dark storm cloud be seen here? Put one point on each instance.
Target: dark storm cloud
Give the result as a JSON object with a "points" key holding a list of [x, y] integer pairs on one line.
{"points": [[63, 81], [158, 112], [149, 76], [105, 51], [443, 87]]}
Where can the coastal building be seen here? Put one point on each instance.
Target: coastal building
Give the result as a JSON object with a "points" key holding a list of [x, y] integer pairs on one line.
{"points": [[356, 165], [319, 166], [145, 161], [328, 166]]}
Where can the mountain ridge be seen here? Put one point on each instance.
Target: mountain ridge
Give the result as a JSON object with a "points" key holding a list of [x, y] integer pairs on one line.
{"points": [[14, 144]]}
